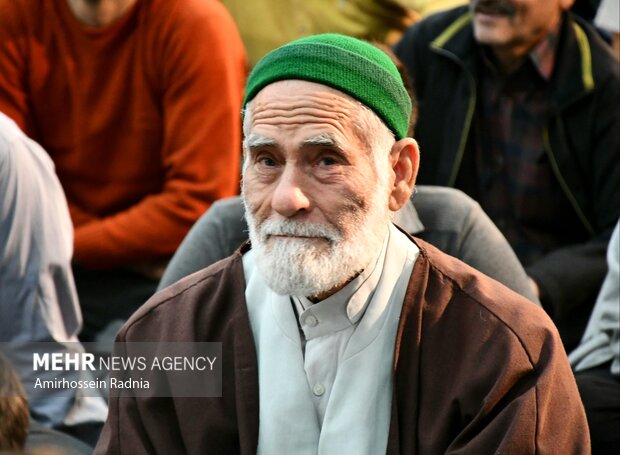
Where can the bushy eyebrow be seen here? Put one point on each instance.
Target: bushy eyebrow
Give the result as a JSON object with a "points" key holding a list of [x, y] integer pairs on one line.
{"points": [[322, 140], [254, 141]]}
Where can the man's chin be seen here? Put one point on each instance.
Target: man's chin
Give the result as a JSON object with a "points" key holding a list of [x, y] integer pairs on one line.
{"points": [[492, 30], [303, 267], [490, 18], [306, 286], [296, 242], [296, 238]]}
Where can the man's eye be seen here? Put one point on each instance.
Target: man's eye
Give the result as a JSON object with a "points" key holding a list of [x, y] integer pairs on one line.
{"points": [[267, 161], [327, 161]]}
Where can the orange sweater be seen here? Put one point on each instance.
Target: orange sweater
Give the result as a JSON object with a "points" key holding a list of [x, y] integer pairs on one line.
{"points": [[141, 117]]}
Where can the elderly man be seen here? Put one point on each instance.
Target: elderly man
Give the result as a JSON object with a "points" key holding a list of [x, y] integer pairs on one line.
{"points": [[340, 333], [519, 109]]}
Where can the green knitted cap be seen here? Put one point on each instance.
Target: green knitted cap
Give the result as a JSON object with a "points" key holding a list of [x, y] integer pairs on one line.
{"points": [[354, 67]]}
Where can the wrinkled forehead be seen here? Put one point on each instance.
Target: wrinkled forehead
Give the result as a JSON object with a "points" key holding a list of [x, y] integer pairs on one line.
{"points": [[292, 105], [301, 94]]}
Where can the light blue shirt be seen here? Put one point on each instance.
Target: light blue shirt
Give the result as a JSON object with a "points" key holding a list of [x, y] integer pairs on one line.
{"points": [[327, 327], [601, 340], [296, 416], [38, 300]]}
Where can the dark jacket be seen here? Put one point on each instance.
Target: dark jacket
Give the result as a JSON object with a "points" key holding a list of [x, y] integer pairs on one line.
{"points": [[477, 369], [581, 141]]}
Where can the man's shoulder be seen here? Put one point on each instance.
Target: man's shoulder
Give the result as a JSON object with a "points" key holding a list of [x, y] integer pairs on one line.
{"points": [[187, 13], [443, 208], [9, 132], [228, 210], [214, 294], [418, 43], [471, 296], [604, 62], [21, 155], [188, 37], [436, 24], [198, 281]]}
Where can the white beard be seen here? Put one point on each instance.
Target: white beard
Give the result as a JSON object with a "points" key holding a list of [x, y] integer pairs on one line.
{"points": [[310, 267]]}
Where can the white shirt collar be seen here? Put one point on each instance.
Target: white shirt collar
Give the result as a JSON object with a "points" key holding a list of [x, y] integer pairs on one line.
{"points": [[344, 308]]}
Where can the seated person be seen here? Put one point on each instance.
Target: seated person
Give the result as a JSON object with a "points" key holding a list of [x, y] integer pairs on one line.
{"points": [[38, 302], [518, 108], [341, 333], [137, 103], [444, 217], [596, 361]]}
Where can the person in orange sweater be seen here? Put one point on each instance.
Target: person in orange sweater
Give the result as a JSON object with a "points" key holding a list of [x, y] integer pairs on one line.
{"points": [[137, 102]]}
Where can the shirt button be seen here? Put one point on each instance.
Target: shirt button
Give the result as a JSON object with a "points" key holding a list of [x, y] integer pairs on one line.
{"points": [[311, 320], [318, 390]]}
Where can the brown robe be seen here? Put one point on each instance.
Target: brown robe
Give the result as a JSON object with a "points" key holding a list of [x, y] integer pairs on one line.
{"points": [[478, 369]]}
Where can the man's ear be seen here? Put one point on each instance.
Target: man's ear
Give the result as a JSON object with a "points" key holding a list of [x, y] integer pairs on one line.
{"points": [[405, 159]]}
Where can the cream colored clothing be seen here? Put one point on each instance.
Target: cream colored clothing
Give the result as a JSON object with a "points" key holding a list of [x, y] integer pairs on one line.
{"points": [[356, 416], [326, 328]]}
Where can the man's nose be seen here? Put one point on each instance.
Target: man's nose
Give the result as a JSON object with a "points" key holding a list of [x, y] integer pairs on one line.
{"points": [[289, 196]]}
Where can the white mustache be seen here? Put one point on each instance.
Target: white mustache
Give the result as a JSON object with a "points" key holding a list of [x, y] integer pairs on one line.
{"points": [[299, 229]]}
